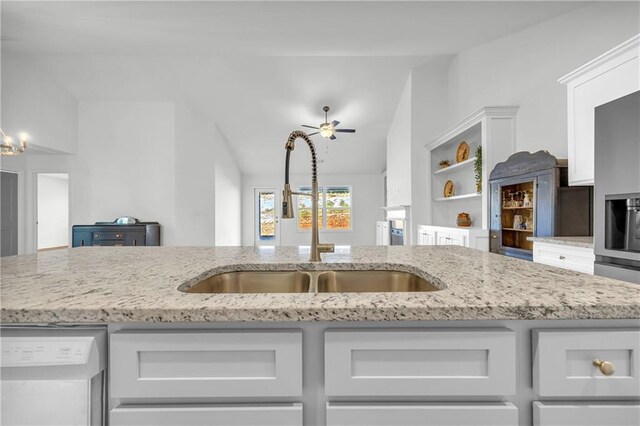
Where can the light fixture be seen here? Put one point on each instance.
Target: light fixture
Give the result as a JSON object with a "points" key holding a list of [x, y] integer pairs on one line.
{"points": [[8, 148], [326, 130]]}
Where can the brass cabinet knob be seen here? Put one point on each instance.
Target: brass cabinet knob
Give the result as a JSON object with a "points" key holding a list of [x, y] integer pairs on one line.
{"points": [[607, 368], [494, 236]]}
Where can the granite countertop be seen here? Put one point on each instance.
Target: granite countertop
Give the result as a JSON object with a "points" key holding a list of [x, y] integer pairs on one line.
{"points": [[139, 284], [586, 242]]}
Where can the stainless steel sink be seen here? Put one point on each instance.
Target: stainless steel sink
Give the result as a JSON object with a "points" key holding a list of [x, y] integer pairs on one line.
{"points": [[372, 281], [312, 282], [254, 282]]}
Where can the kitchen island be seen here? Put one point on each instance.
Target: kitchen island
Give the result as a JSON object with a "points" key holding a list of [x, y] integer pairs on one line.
{"points": [[504, 341]]}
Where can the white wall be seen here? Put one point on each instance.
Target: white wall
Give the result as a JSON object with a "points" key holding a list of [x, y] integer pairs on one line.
{"points": [[53, 210], [399, 152], [368, 197], [523, 69], [195, 152], [429, 99], [228, 194], [125, 164], [34, 103]]}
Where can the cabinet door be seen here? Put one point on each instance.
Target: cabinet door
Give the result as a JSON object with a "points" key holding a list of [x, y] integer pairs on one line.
{"points": [[586, 414], [611, 82], [420, 362], [422, 414], [378, 234], [207, 415], [385, 234], [207, 363]]}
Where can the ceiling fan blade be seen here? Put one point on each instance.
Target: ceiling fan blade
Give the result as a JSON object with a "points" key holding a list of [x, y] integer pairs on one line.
{"points": [[334, 123], [311, 134], [310, 127], [345, 130], [332, 137]]}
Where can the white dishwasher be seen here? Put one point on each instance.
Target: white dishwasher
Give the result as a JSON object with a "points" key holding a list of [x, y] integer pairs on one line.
{"points": [[53, 375]]}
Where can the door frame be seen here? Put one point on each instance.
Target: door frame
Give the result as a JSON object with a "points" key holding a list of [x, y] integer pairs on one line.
{"points": [[34, 219], [256, 215]]}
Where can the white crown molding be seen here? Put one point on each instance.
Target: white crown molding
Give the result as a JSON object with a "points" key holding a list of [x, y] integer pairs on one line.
{"points": [[631, 44], [472, 120]]}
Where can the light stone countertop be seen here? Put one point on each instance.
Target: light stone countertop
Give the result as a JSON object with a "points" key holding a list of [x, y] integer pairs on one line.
{"points": [[586, 242], [139, 284]]}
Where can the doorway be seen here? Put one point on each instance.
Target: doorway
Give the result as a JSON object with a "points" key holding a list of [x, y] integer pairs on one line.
{"points": [[52, 211], [267, 219], [9, 214]]}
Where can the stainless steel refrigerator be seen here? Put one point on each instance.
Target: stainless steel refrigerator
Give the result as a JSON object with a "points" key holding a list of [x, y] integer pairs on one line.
{"points": [[617, 189]]}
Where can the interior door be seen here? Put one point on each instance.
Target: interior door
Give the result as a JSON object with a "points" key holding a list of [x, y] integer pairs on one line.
{"points": [[267, 216], [9, 214]]}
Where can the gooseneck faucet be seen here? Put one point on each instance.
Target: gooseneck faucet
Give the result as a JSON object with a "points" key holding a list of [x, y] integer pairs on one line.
{"points": [[287, 199]]}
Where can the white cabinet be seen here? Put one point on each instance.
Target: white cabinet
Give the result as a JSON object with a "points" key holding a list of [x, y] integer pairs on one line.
{"points": [[422, 414], [197, 364], [606, 78], [420, 362], [426, 236], [586, 414], [445, 236], [578, 259], [382, 233], [207, 415], [563, 364]]}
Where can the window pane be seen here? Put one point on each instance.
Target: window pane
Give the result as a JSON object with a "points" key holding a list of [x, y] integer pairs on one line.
{"points": [[338, 196], [266, 206], [304, 209], [339, 218]]}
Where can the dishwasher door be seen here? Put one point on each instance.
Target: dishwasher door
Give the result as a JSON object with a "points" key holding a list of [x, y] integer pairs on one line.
{"points": [[53, 376]]}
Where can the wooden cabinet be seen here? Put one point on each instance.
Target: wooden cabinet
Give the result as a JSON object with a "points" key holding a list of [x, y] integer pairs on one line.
{"points": [[382, 233], [445, 236], [420, 362], [525, 202], [626, 413], [207, 415], [422, 414], [579, 259], [608, 77]]}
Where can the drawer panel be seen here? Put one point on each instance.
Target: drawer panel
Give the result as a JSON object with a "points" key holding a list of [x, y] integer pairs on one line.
{"points": [[410, 362], [578, 259], [422, 414], [207, 415], [563, 363], [205, 364], [586, 414]]}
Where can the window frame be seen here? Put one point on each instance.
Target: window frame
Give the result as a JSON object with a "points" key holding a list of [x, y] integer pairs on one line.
{"points": [[323, 208]]}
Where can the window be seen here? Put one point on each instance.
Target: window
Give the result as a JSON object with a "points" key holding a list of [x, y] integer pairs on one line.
{"points": [[334, 208], [266, 222]]}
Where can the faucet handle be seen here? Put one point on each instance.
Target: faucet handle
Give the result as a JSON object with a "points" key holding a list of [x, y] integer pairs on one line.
{"points": [[326, 248]]}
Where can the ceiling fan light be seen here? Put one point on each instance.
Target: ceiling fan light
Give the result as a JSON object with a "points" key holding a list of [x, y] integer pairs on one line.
{"points": [[326, 131]]}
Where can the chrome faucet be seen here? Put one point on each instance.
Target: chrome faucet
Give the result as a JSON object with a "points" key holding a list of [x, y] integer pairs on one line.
{"points": [[287, 199]]}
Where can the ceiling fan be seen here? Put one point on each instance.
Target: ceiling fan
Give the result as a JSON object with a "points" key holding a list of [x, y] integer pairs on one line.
{"points": [[327, 129]]}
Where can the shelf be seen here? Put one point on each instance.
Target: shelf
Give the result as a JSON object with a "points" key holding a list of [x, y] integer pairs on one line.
{"points": [[459, 197], [456, 166], [517, 208], [518, 230]]}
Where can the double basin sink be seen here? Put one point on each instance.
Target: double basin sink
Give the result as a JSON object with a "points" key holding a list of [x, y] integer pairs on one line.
{"points": [[312, 282]]}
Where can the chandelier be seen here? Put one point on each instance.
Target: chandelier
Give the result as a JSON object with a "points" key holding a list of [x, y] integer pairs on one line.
{"points": [[8, 148]]}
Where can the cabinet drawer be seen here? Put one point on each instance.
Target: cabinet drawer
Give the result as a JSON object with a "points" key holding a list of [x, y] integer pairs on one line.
{"points": [[578, 259], [413, 362], [207, 415], [422, 414], [563, 363], [586, 414], [205, 364]]}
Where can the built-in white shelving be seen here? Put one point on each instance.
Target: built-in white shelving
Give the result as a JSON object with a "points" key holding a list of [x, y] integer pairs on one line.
{"points": [[456, 166], [459, 197]]}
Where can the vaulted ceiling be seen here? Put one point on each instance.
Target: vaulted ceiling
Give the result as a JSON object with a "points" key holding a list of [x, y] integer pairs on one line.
{"points": [[260, 69]]}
